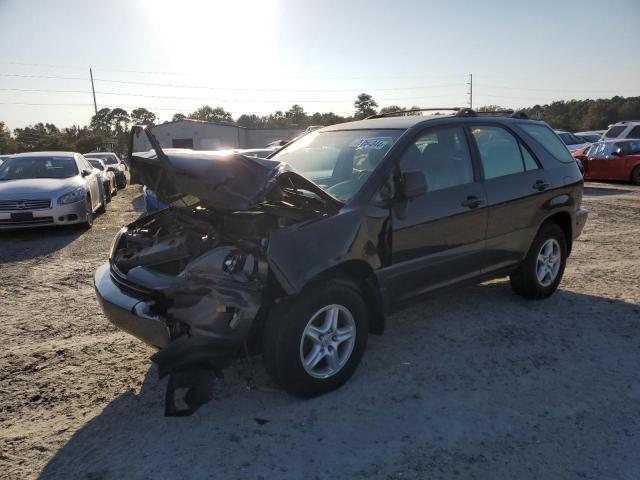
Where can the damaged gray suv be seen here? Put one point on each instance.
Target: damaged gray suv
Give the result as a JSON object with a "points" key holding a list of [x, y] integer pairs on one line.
{"points": [[302, 255]]}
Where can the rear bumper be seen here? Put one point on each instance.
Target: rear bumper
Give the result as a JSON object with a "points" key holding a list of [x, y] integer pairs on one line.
{"points": [[579, 222], [69, 214]]}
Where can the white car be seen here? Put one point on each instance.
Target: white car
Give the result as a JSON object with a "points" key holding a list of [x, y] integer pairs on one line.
{"points": [[624, 129], [49, 188], [114, 164], [107, 177], [572, 141]]}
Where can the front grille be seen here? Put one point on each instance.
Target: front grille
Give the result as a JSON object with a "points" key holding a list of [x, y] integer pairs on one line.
{"points": [[22, 205], [27, 221]]}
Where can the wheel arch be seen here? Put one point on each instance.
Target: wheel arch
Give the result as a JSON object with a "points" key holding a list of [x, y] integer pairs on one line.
{"points": [[564, 221], [633, 169], [362, 275]]}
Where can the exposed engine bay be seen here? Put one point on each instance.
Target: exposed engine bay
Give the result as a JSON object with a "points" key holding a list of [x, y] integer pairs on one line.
{"points": [[167, 241]]}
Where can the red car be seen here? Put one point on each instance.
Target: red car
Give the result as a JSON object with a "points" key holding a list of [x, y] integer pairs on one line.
{"points": [[611, 160]]}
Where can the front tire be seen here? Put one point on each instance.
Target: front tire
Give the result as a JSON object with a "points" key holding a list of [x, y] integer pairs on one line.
{"points": [[313, 343], [88, 223], [541, 271], [107, 192]]}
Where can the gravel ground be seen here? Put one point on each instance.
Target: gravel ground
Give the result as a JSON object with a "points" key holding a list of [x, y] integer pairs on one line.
{"points": [[474, 383]]}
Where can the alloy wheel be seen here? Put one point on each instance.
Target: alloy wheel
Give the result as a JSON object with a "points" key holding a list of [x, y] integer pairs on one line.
{"points": [[327, 341], [549, 261]]}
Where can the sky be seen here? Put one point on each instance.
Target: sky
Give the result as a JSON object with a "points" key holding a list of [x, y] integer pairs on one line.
{"points": [[258, 56]]}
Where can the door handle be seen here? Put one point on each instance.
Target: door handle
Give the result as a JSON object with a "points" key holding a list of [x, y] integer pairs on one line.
{"points": [[541, 185], [472, 202]]}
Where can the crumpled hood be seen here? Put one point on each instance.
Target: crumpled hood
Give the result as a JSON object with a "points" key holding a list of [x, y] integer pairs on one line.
{"points": [[220, 180]]}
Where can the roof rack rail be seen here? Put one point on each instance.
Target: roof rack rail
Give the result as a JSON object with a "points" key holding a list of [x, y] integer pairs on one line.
{"points": [[404, 112], [460, 112]]}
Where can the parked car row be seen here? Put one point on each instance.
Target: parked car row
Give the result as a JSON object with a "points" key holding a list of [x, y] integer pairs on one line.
{"points": [[627, 129], [57, 188], [572, 141]]}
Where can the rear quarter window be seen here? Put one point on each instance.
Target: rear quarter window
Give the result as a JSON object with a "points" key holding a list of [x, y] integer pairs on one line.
{"points": [[614, 132], [549, 140], [635, 132]]}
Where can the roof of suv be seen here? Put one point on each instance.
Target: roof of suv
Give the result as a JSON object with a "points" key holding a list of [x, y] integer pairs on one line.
{"points": [[408, 121]]}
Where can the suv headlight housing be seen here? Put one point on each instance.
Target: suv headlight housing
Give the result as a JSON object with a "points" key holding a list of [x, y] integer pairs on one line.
{"points": [[72, 197]]}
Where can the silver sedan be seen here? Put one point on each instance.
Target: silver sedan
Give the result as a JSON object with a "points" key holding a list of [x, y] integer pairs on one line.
{"points": [[49, 188]]}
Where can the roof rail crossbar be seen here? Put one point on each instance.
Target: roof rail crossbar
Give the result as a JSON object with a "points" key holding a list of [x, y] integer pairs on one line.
{"points": [[460, 112], [495, 112], [413, 110]]}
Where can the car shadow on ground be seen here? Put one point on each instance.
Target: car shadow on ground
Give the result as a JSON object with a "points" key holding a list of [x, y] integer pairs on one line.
{"points": [[476, 383], [19, 245], [610, 188]]}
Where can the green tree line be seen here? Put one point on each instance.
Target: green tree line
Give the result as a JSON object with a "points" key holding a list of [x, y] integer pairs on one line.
{"points": [[112, 125]]}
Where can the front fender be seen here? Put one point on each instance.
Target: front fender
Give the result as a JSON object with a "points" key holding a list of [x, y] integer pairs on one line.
{"points": [[299, 254]]}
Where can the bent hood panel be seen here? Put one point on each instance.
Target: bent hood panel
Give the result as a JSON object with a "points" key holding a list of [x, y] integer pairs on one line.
{"points": [[223, 180]]}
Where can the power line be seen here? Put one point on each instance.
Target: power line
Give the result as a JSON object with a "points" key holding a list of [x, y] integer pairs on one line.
{"points": [[542, 89], [244, 89], [223, 100], [134, 107], [186, 74]]}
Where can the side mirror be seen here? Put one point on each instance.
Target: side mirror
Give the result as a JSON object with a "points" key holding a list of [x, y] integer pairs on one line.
{"points": [[86, 173], [414, 184], [617, 152]]}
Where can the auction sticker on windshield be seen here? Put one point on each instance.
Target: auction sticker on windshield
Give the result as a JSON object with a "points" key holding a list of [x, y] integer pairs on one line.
{"points": [[369, 144]]}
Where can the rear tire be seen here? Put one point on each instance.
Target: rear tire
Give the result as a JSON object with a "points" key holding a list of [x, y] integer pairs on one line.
{"points": [[635, 176], [539, 275], [303, 331]]}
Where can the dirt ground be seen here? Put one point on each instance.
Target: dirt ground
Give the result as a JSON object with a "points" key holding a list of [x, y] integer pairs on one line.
{"points": [[474, 383]]}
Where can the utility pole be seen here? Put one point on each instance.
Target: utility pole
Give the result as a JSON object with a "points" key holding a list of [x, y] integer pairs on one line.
{"points": [[93, 90], [470, 90]]}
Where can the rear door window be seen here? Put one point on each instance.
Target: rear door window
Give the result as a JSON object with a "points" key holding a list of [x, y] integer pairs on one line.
{"points": [[500, 152], [549, 140], [634, 147]]}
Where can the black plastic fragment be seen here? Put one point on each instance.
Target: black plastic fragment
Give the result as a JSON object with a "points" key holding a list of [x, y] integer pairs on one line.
{"points": [[189, 390]]}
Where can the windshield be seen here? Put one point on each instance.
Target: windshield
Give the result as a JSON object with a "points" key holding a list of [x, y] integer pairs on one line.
{"points": [[339, 161], [96, 164], [108, 158], [37, 167]]}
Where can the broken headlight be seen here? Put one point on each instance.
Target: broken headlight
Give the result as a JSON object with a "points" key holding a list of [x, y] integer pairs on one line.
{"points": [[240, 266], [233, 262]]}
